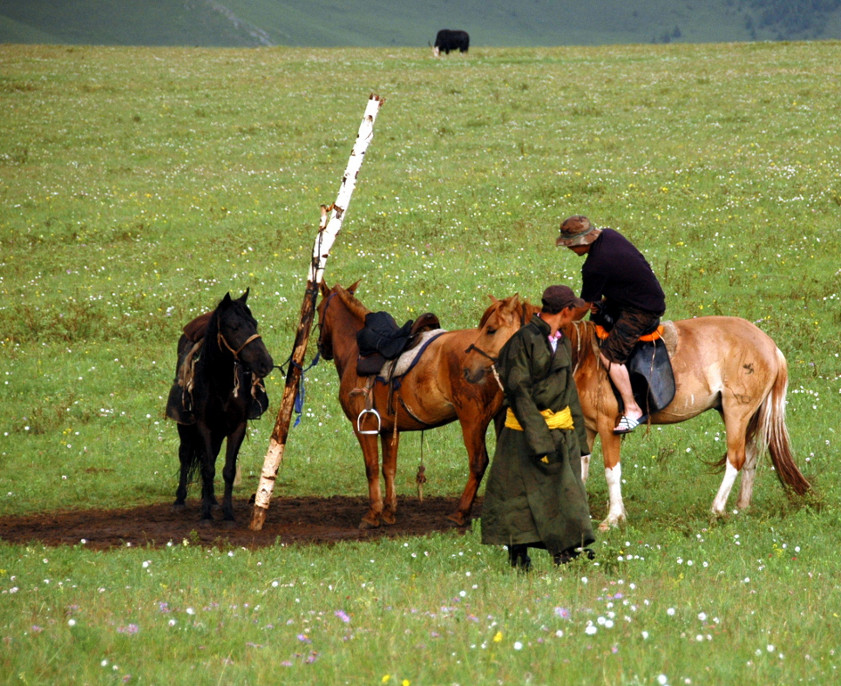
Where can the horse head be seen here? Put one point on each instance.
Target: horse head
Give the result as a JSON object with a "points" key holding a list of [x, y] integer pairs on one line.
{"points": [[327, 314], [237, 333], [498, 324]]}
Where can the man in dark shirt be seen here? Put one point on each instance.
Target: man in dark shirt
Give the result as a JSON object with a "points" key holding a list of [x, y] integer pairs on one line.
{"points": [[617, 280]]}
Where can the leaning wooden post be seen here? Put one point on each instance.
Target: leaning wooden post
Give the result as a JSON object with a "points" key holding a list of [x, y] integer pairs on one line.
{"points": [[327, 232]]}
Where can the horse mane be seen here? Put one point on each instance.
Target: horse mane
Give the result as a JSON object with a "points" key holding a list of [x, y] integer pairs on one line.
{"points": [[357, 309], [581, 336], [493, 307], [525, 307]]}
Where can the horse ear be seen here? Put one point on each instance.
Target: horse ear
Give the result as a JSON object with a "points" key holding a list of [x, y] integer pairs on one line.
{"points": [[325, 291], [494, 301], [227, 299], [352, 288], [244, 296]]}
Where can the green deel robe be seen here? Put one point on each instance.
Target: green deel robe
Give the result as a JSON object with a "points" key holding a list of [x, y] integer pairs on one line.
{"points": [[526, 501]]}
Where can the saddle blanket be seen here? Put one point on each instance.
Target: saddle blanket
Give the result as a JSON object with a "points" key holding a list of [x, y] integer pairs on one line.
{"points": [[400, 366]]}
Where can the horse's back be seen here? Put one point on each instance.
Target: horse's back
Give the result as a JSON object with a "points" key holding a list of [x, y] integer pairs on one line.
{"points": [[715, 358], [716, 336]]}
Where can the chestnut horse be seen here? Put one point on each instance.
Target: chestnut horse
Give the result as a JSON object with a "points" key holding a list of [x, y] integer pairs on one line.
{"points": [[432, 393], [721, 363]]}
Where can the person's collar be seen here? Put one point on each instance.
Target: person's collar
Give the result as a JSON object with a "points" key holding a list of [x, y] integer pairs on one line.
{"points": [[547, 327]]}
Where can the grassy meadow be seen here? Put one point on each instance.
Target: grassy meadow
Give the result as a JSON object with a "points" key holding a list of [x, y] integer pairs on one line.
{"points": [[137, 186]]}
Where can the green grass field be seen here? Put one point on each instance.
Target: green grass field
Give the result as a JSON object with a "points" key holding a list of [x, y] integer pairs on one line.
{"points": [[406, 23], [137, 186]]}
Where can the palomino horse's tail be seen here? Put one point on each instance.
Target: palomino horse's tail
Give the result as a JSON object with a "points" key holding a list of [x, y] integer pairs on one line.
{"points": [[768, 429]]}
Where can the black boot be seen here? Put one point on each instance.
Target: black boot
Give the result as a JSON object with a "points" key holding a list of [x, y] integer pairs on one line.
{"points": [[565, 556], [518, 557], [570, 554]]}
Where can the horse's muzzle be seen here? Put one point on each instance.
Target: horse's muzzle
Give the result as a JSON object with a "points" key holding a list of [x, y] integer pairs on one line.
{"points": [[474, 375]]}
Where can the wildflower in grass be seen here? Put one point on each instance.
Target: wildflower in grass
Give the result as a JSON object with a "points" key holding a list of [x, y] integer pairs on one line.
{"points": [[303, 638], [497, 637], [341, 614], [590, 629], [562, 612], [518, 645]]}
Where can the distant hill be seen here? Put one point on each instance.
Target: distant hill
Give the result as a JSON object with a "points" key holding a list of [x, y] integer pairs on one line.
{"points": [[377, 23]]}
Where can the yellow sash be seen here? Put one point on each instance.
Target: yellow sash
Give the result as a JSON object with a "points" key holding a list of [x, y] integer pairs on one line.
{"points": [[562, 419]]}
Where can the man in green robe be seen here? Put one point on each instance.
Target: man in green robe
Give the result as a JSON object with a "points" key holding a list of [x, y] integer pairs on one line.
{"points": [[534, 495]]}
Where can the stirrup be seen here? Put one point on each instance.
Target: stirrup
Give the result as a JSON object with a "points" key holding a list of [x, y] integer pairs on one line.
{"points": [[369, 432]]}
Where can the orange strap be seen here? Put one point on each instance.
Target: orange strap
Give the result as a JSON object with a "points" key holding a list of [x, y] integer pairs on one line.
{"points": [[653, 336]]}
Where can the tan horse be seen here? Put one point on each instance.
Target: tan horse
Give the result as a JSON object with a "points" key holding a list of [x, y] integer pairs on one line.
{"points": [[433, 393], [720, 363]]}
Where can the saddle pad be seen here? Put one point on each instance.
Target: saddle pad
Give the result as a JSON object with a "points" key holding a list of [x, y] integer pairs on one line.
{"points": [[397, 368]]}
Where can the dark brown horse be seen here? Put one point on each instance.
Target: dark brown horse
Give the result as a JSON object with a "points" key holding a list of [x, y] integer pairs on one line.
{"points": [[228, 359], [432, 393], [720, 363]]}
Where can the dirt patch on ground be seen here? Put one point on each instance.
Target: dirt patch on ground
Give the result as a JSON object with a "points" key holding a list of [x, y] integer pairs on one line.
{"points": [[288, 520]]}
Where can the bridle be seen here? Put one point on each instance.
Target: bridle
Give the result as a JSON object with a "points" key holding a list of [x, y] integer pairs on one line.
{"points": [[475, 347], [487, 355], [221, 340], [321, 324]]}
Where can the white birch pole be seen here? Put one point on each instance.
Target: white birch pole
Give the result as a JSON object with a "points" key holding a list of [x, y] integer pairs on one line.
{"points": [[327, 232]]}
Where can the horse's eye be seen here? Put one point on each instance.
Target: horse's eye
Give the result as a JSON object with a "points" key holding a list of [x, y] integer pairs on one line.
{"points": [[491, 331]]}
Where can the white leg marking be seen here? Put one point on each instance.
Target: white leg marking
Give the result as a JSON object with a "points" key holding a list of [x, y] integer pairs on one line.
{"points": [[585, 468], [616, 512], [720, 501]]}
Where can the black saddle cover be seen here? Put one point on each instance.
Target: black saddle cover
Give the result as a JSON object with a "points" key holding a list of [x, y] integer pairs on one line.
{"points": [[381, 339], [649, 367], [651, 375]]}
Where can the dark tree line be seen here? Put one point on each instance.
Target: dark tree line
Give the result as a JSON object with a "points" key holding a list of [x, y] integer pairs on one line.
{"points": [[791, 18]]}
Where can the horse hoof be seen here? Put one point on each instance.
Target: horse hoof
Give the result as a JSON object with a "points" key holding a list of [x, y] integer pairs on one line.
{"points": [[228, 524], [367, 524], [458, 519], [205, 522], [389, 519], [611, 523], [179, 507]]}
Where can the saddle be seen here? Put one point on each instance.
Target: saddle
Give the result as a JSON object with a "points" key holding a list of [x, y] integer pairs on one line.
{"points": [[382, 340], [382, 344], [649, 367], [179, 405]]}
